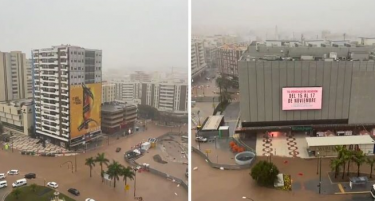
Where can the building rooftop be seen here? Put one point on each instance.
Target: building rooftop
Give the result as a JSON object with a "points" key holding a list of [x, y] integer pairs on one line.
{"points": [[116, 107], [18, 102], [213, 122], [339, 140]]}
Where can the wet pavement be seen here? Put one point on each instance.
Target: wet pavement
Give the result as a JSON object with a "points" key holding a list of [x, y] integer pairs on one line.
{"points": [[223, 185], [149, 186]]}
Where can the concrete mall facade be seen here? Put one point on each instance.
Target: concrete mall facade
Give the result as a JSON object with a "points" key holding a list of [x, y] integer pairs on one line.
{"points": [[347, 101]]}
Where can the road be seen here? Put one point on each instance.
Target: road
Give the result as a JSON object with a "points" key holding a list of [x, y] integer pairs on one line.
{"points": [[149, 186], [232, 185]]}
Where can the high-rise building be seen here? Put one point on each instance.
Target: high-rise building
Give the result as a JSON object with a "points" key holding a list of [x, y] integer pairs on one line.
{"points": [[198, 62], [109, 91], [228, 58], [15, 76], [67, 93], [164, 96]]}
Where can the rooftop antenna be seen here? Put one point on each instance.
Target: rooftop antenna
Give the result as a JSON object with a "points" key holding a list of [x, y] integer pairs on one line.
{"points": [[276, 34], [344, 36]]}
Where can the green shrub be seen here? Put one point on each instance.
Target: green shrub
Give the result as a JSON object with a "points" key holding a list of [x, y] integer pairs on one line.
{"points": [[264, 173]]}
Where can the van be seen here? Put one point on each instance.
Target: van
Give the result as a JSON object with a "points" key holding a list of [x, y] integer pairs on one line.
{"points": [[19, 182], [2, 176], [3, 184]]}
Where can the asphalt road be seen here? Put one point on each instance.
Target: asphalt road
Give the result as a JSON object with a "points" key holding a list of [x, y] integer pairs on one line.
{"points": [[149, 186]]}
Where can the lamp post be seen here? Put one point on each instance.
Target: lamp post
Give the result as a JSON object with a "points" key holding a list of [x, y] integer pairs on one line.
{"points": [[317, 164], [246, 198], [199, 119], [320, 174], [135, 179]]}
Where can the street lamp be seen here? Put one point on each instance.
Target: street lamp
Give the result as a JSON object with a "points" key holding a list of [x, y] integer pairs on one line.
{"points": [[199, 119], [317, 164], [135, 179], [247, 198]]}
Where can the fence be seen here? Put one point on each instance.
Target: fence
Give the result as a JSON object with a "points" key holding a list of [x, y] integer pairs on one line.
{"points": [[132, 162], [219, 166]]}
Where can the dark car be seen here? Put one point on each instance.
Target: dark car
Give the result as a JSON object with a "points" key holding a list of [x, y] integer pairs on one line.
{"points": [[30, 176], [118, 149], [73, 191]]}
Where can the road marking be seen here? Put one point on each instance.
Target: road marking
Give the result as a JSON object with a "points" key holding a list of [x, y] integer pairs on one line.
{"points": [[356, 192], [341, 188]]}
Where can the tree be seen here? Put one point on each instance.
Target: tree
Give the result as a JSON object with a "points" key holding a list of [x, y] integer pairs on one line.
{"points": [[350, 154], [344, 158], [33, 187], [91, 163], [359, 158], [264, 173], [101, 159], [1, 128], [114, 172], [16, 193], [335, 166], [371, 162], [223, 83], [127, 173]]}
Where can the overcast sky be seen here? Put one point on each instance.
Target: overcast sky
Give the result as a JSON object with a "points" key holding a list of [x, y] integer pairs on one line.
{"points": [[210, 16], [133, 34]]}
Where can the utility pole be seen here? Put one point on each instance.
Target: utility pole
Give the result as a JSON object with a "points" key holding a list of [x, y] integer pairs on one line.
{"points": [[320, 174], [317, 164], [75, 161]]}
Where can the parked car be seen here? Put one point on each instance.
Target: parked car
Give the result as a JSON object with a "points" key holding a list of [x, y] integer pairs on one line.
{"points": [[30, 176], [2, 176], [12, 172], [3, 184], [19, 182], [201, 139], [118, 149], [73, 191], [52, 184], [89, 199]]}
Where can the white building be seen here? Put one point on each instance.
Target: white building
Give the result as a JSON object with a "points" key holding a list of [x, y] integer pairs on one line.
{"points": [[17, 116], [367, 41], [198, 62], [15, 76], [67, 92], [109, 92], [164, 96]]}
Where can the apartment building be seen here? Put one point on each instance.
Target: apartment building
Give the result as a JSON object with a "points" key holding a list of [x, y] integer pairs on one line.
{"points": [[229, 55], [17, 116], [67, 93], [163, 95], [109, 92], [198, 61], [15, 76]]}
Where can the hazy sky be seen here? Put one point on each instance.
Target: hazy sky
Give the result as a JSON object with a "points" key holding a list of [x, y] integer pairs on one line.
{"points": [[289, 15], [133, 34]]}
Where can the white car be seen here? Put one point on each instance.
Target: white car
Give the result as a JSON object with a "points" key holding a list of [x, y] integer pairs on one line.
{"points": [[89, 199], [201, 139], [12, 172], [2, 176], [52, 184]]}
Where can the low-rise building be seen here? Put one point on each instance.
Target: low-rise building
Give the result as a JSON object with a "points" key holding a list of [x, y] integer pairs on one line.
{"points": [[117, 116], [17, 116], [108, 92]]}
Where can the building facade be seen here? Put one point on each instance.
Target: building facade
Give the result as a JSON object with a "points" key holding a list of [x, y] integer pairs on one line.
{"points": [[290, 91], [15, 76], [109, 92], [17, 116], [117, 116], [228, 57], [67, 94], [198, 61]]}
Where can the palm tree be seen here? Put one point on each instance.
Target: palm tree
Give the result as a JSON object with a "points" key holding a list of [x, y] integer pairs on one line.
{"points": [[33, 187], [344, 158], [335, 166], [101, 159], [359, 158], [371, 162], [350, 155], [16, 193], [127, 173], [91, 163], [114, 171]]}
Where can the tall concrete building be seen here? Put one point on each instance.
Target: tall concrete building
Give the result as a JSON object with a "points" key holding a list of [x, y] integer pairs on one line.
{"points": [[229, 55], [15, 76], [198, 61], [109, 92], [163, 95], [67, 93]]}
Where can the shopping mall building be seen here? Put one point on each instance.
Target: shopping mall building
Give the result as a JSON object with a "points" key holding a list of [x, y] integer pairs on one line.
{"points": [[307, 89]]}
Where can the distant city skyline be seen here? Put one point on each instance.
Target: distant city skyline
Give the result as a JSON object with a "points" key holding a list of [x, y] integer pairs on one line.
{"points": [[337, 16], [139, 35]]}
